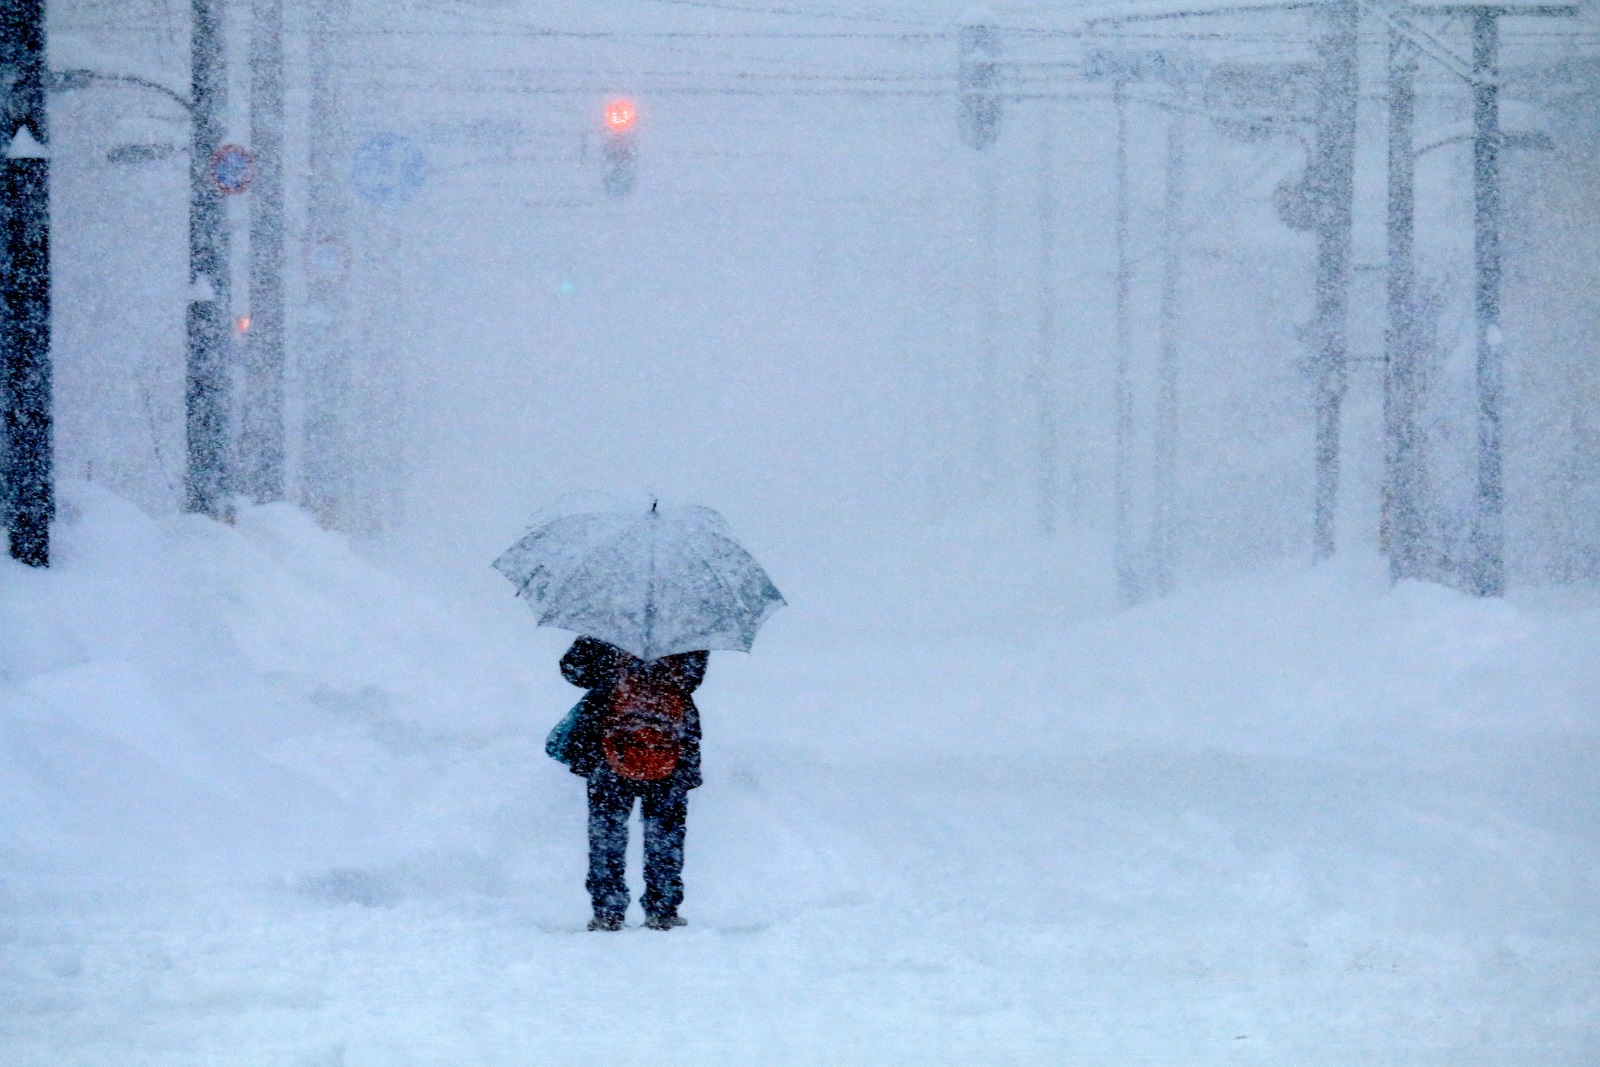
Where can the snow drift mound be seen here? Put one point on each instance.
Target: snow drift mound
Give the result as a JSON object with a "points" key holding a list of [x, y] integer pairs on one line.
{"points": [[258, 698], [1301, 818], [234, 697]]}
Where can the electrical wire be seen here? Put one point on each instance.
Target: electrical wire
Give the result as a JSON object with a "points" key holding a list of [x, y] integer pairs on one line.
{"points": [[671, 90], [722, 5], [536, 73], [627, 35]]}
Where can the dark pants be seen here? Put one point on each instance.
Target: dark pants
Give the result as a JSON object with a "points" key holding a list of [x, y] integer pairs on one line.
{"points": [[663, 806]]}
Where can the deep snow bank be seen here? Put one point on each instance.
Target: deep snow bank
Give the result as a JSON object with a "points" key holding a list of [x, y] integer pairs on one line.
{"points": [[1296, 818], [182, 691], [186, 692]]}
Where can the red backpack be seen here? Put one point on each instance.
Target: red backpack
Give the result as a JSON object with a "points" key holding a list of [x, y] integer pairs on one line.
{"points": [[642, 733]]}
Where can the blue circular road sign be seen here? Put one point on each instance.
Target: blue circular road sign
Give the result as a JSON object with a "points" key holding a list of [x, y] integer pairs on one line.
{"points": [[232, 169]]}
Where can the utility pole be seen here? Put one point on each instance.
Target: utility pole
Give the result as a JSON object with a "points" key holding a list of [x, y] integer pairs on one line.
{"points": [[1486, 570], [1331, 188], [29, 480], [988, 324], [326, 473], [978, 75], [1166, 434], [1135, 577], [1044, 368], [1402, 505], [261, 437], [1128, 591], [206, 372], [1328, 209], [1488, 567], [1487, 574]]}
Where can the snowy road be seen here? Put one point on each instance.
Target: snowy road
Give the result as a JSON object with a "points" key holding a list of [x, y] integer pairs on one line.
{"points": [[265, 804]]}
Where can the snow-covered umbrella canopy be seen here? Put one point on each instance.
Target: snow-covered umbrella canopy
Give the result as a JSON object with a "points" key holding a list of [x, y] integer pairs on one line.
{"points": [[654, 583]]}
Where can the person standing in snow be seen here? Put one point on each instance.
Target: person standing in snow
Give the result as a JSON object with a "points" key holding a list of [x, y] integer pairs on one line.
{"points": [[636, 733]]}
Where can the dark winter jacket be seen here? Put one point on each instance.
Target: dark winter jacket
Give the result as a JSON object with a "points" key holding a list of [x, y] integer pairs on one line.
{"points": [[594, 665]]}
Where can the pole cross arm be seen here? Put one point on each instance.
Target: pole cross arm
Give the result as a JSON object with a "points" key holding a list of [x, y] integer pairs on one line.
{"points": [[1421, 40], [1393, 15], [1151, 13], [1144, 12], [1502, 9], [1530, 140], [61, 81]]}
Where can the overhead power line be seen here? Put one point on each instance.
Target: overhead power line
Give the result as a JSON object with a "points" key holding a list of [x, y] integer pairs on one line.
{"points": [[675, 90], [607, 35], [535, 73], [720, 5]]}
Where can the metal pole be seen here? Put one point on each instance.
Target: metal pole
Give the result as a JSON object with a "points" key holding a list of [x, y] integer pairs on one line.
{"points": [[1488, 577], [1332, 190], [1486, 568], [1402, 515], [1044, 370], [1128, 591], [206, 373], [1166, 435], [25, 325], [261, 436], [988, 324], [326, 469], [978, 75]]}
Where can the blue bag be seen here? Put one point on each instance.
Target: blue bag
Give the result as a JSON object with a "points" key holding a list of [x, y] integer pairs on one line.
{"points": [[555, 745]]}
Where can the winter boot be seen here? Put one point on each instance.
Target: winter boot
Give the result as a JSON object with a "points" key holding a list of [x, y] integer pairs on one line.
{"points": [[665, 920], [606, 922]]}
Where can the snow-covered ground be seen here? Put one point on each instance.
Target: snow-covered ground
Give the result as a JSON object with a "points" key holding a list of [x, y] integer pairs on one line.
{"points": [[265, 802]]}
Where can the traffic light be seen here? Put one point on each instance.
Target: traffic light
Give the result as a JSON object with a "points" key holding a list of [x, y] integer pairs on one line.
{"points": [[979, 84], [618, 150]]}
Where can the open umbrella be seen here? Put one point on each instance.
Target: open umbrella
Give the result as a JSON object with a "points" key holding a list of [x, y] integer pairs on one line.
{"points": [[654, 583]]}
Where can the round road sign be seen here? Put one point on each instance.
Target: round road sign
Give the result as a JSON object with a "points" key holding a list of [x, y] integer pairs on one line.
{"points": [[232, 169]]}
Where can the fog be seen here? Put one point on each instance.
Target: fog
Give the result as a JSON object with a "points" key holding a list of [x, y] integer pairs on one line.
{"points": [[1091, 733], [817, 306]]}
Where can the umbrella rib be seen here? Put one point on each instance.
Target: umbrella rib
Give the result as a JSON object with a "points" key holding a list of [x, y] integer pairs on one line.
{"points": [[556, 595], [741, 550], [522, 589], [522, 585], [726, 588], [528, 543]]}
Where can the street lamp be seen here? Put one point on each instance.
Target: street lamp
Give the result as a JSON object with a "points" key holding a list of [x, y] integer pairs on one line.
{"points": [[58, 81]]}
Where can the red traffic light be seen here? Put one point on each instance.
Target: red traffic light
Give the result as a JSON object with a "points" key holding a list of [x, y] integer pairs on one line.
{"points": [[620, 116]]}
